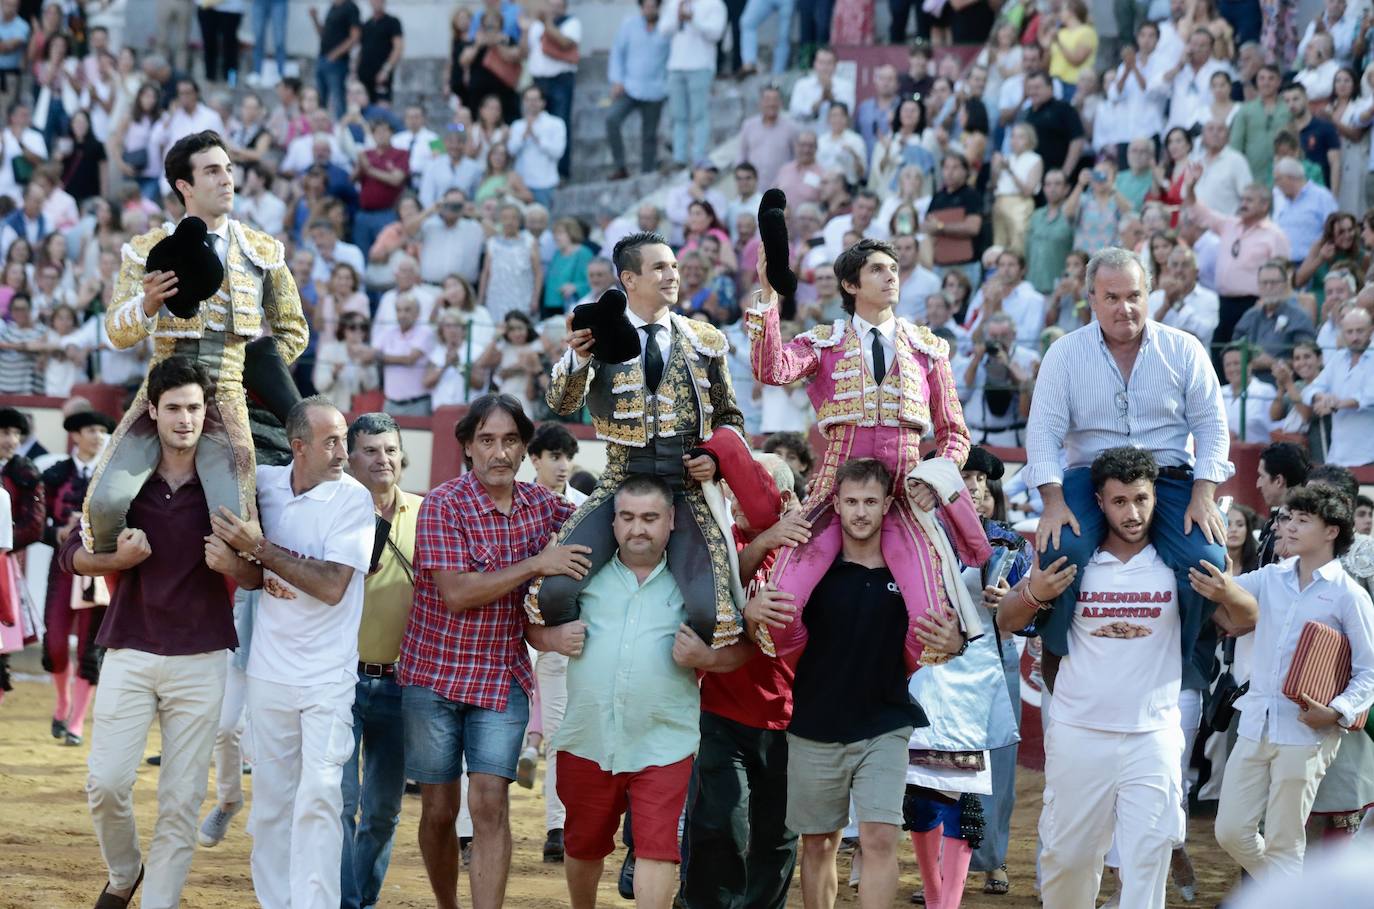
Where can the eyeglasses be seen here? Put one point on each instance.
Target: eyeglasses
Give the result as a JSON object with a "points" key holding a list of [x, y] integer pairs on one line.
{"points": [[1123, 408]]}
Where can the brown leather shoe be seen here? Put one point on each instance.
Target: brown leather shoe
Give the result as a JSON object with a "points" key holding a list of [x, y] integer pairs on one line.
{"points": [[108, 900]]}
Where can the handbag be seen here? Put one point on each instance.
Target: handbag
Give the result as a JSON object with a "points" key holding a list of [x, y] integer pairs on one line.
{"points": [[1221, 704], [88, 593], [137, 158], [553, 51], [951, 250], [1320, 668], [501, 68]]}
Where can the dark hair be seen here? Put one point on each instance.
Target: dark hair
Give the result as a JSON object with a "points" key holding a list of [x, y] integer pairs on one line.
{"points": [[862, 470], [531, 334], [920, 115], [1286, 139], [747, 168], [626, 254], [999, 500], [1284, 459], [351, 318], [976, 118], [794, 442], [1125, 464], [553, 437], [298, 418], [465, 430], [178, 164], [1363, 501], [1187, 137], [1293, 87], [292, 84], [710, 213], [1337, 478], [1328, 505], [642, 484], [584, 481], [1249, 549], [372, 424], [851, 262], [175, 372]]}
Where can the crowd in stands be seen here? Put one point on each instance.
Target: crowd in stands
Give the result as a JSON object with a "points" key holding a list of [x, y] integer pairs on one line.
{"points": [[1228, 151]]}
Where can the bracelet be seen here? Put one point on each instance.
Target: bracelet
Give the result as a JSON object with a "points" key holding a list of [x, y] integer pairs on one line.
{"points": [[1030, 600]]}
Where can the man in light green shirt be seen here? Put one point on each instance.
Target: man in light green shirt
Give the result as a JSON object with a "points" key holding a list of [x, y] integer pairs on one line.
{"points": [[1258, 122], [632, 721]]}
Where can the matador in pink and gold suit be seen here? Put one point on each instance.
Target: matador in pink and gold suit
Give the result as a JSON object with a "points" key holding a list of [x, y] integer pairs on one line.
{"points": [[861, 418]]}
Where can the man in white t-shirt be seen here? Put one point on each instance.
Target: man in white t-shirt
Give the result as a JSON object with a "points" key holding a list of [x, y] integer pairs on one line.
{"points": [[314, 542], [1114, 745], [918, 282]]}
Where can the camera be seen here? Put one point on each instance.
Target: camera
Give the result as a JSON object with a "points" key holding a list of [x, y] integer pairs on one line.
{"points": [[994, 348]]}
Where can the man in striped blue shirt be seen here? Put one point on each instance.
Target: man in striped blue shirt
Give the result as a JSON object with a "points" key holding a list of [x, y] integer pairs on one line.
{"points": [[1125, 379]]}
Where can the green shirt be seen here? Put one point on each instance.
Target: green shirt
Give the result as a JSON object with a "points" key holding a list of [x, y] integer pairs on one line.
{"points": [[1134, 187], [1048, 243], [566, 269], [629, 705], [1252, 134]]}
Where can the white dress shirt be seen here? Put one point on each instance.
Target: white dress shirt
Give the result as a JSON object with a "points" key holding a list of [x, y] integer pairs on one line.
{"points": [[1191, 93], [422, 146], [265, 212], [838, 226], [887, 334], [1223, 179], [1082, 405], [1333, 598], [1024, 304], [536, 155], [920, 284], [1197, 313], [664, 339], [1351, 430], [693, 43], [807, 92], [1258, 396]]}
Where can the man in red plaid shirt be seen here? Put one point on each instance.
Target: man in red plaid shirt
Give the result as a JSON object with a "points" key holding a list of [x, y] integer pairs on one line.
{"points": [[480, 539]]}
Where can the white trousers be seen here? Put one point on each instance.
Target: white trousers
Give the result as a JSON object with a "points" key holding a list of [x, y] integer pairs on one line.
{"points": [[298, 739], [228, 753], [1190, 721], [1097, 783], [1277, 783], [551, 671], [183, 694]]}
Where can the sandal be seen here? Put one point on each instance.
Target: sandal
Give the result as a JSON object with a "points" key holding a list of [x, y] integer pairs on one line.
{"points": [[997, 882]]}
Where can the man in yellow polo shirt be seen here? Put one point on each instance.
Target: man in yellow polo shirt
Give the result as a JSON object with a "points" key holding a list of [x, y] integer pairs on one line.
{"points": [[376, 460]]}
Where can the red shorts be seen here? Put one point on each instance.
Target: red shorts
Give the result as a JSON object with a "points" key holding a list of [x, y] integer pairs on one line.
{"points": [[595, 801]]}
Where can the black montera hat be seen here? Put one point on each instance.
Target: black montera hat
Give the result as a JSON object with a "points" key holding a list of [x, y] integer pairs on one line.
{"points": [[187, 253]]}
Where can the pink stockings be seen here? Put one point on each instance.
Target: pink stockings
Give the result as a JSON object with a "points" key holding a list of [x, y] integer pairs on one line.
{"points": [[943, 871]]}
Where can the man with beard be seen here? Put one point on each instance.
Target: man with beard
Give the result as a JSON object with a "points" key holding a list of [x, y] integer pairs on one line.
{"points": [[68, 611], [1113, 752], [851, 713], [630, 731]]}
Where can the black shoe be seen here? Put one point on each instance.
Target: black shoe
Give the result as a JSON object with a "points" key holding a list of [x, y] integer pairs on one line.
{"points": [[155, 761], [626, 884], [553, 846], [59, 728], [412, 787]]}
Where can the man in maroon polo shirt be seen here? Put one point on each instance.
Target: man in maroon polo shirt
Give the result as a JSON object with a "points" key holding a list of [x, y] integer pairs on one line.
{"points": [[740, 850], [169, 621]]}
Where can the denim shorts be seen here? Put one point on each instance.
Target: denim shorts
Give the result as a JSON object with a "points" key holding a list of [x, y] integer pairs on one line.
{"points": [[441, 735]]}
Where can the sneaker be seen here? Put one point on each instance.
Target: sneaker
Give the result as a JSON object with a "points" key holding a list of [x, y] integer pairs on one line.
{"points": [[216, 825], [524, 770], [253, 80], [71, 738], [1185, 878], [553, 846], [59, 728]]}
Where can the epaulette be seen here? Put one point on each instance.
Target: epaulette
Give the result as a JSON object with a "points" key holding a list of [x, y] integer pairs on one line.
{"points": [[263, 250], [925, 340], [138, 247], [706, 339]]}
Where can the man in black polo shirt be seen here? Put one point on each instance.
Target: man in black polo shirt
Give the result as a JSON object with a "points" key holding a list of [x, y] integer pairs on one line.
{"points": [[1058, 128], [851, 715], [955, 219]]}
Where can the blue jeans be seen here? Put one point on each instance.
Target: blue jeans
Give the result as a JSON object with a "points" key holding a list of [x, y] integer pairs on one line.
{"points": [[330, 76], [377, 728], [274, 12], [755, 12], [815, 20], [441, 735], [689, 109], [543, 196], [1179, 552], [368, 224], [558, 92]]}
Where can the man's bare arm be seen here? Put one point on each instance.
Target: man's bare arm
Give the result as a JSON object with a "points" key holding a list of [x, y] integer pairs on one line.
{"points": [[325, 581]]}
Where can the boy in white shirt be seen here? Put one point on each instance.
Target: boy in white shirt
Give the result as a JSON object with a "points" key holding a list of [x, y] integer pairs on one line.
{"points": [[1114, 746], [1283, 750]]}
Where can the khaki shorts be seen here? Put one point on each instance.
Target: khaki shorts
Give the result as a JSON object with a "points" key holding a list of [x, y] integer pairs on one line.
{"points": [[823, 776]]}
